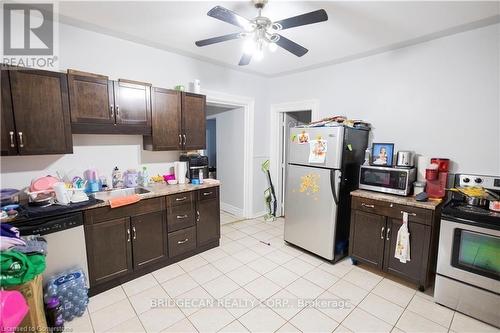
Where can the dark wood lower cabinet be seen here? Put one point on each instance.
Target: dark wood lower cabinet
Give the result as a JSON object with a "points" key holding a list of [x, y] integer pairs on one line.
{"points": [[373, 237], [208, 216], [149, 238], [109, 250], [127, 242], [367, 237]]}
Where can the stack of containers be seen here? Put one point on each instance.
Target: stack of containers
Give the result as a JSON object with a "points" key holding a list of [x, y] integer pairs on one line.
{"points": [[436, 175]]}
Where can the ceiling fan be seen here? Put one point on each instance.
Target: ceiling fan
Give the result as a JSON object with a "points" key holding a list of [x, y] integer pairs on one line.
{"points": [[260, 32]]}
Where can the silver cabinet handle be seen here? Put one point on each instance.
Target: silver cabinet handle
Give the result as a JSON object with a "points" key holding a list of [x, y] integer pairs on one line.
{"points": [[112, 109], [180, 199], [207, 193], [411, 214], [117, 107], [11, 133], [128, 234], [183, 241], [382, 233], [21, 142], [135, 233], [387, 235], [180, 140], [367, 206], [180, 217], [197, 216], [185, 140]]}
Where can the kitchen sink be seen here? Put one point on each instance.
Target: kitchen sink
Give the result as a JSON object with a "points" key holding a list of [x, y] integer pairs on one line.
{"points": [[119, 192]]}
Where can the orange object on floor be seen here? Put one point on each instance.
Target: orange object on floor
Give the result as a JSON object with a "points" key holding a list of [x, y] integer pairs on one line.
{"points": [[128, 200]]}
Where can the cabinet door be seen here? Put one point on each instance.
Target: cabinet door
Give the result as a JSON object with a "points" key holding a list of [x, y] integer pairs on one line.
{"points": [[149, 238], [366, 242], [41, 112], [193, 121], [208, 218], [132, 103], [91, 98], [166, 124], [415, 269], [109, 250], [8, 131]]}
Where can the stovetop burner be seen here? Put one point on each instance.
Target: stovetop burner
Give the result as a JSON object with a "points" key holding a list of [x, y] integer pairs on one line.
{"points": [[458, 209]]}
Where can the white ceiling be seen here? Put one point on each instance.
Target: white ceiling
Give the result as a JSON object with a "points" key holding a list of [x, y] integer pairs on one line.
{"points": [[354, 29]]}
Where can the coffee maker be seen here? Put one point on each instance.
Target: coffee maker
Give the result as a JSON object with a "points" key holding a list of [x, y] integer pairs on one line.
{"points": [[196, 163]]}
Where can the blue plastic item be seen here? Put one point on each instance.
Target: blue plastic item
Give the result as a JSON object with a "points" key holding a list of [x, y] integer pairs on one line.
{"points": [[71, 290]]}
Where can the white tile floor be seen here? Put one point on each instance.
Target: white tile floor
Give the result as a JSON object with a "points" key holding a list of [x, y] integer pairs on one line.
{"points": [[226, 217], [245, 285]]}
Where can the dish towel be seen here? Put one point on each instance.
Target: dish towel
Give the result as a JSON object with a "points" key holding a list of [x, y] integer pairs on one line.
{"points": [[403, 241], [128, 200]]}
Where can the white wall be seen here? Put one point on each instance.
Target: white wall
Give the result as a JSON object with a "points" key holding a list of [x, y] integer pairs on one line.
{"points": [[230, 158], [438, 98], [89, 51]]}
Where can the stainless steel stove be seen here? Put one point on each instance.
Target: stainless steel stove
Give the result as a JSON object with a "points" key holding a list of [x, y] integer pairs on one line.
{"points": [[468, 267]]}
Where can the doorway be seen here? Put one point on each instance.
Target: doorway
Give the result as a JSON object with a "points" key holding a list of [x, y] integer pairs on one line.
{"points": [[225, 151], [287, 120]]}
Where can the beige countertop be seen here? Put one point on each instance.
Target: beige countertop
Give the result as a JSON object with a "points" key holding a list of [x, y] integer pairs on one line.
{"points": [[163, 189], [431, 204]]}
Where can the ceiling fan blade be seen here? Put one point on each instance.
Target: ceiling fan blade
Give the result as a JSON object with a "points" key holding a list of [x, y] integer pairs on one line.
{"points": [[304, 19], [291, 47], [228, 16], [218, 39], [245, 59]]}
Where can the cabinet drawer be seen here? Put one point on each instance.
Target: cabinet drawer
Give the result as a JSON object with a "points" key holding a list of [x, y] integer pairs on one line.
{"points": [[107, 213], [180, 217], [180, 199], [393, 210], [207, 193], [181, 241]]}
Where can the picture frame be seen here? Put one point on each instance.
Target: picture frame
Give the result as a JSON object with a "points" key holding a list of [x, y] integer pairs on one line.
{"points": [[382, 154]]}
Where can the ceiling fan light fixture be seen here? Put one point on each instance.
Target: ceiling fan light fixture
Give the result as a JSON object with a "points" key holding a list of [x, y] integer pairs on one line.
{"points": [[249, 46]]}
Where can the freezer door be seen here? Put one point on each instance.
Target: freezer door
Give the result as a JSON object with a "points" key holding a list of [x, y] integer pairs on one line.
{"points": [[310, 209], [299, 150]]}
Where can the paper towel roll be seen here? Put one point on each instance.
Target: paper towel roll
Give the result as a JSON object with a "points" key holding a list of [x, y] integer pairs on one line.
{"points": [[422, 163], [180, 171]]}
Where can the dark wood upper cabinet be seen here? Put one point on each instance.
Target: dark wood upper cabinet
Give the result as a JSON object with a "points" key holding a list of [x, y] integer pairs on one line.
{"points": [[8, 138], [40, 107], [109, 250], [101, 106], [193, 121], [166, 120], [91, 98], [178, 121], [132, 103], [149, 237], [367, 237]]}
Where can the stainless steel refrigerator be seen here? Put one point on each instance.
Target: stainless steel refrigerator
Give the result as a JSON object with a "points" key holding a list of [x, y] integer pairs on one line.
{"points": [[318, 183]]}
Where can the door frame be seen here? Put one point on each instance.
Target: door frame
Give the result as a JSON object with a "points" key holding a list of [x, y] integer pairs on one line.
{"points": [[248, 106], [276, 143]]}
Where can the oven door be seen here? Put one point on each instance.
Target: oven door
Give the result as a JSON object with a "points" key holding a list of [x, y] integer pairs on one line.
{"points": [[470, 254]]}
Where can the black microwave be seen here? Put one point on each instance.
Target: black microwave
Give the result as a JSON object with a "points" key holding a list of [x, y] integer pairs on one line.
{"points": [[397, 181]]}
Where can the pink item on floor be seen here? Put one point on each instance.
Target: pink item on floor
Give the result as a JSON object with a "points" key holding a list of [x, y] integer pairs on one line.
{"points": [[13, 309]]}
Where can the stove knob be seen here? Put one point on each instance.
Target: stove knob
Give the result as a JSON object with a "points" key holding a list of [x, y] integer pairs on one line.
{"points": [[466, 180], [478, 180]]}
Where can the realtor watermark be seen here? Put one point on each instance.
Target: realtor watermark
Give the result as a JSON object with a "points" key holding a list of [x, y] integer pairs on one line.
{"points": [[243, 303], [29, 35]]}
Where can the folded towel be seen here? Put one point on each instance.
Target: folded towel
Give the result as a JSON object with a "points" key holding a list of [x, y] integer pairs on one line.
{"points": [[123, 201]]}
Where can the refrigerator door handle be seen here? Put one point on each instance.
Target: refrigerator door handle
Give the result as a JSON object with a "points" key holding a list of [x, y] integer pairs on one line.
{"points": [[333, 182]]}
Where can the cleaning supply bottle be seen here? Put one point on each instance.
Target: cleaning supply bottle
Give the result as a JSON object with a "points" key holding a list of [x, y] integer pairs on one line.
{"points": [[144, 177], [117, 178]]}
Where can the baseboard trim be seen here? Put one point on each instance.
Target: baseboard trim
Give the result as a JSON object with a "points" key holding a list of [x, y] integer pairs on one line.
{"points": [[259, 214], [231, 209]]}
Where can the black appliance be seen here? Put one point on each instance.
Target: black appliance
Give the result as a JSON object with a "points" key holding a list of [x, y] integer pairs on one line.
{"points": [[196, 163]]}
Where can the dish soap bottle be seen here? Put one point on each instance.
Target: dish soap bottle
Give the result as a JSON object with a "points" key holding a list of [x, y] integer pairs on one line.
{"points": [[144, 177], [117, 178]]}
